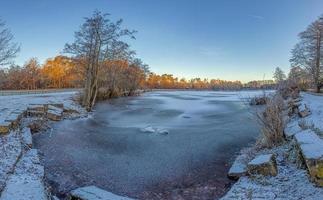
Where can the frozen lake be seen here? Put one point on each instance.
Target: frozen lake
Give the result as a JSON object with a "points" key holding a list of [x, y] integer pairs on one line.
{"points": [[124, 146]]}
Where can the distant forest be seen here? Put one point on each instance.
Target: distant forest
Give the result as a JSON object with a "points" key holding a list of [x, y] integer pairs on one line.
{"points": [[117, 76]]}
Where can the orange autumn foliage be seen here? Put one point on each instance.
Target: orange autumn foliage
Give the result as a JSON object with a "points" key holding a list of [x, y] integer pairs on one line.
{"points": [[61, 72]]}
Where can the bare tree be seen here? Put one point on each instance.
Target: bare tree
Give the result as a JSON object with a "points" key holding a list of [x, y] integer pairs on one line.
{"points": [[279, 75], [93, 45], [308, 52], [31, 74], [8, 49]]}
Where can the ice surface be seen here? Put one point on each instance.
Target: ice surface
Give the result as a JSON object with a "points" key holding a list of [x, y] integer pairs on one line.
{"points": [[121, 141]]}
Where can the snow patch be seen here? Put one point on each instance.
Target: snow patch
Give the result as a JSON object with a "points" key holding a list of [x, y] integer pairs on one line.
{"points": [[95, 193]]}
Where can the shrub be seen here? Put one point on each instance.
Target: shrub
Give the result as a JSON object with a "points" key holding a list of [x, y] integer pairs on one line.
{"points": [[272, 121]]}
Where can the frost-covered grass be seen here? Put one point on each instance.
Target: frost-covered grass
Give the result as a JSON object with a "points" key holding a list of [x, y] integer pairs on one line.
{"points": [[21, 174], [26, 183], [315, 104], [292, 181], [13, 103], [10, 151]]}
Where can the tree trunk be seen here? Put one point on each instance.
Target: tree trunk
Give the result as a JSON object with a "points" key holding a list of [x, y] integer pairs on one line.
{"points": [[87, 89], [317, 62]]}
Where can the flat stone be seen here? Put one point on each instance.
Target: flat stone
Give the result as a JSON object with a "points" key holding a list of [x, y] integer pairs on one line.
{"points": [[57, 105], [54, 113], [51, 107], [264, 165], [94, 193], [36, 125], [292, 129], [304, 111], [311, 148], [238, 168], [36, 107], [27, 137], [70, 110], [35, 113]]}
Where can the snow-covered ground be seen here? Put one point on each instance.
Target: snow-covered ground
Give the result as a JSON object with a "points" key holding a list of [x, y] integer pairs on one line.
{"points": [[10, 104], [21, 174], [292, 181], [315, 103]]}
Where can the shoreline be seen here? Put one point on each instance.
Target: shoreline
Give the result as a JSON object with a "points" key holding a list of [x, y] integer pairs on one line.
{"points": [[294, 179], [22, 174]]}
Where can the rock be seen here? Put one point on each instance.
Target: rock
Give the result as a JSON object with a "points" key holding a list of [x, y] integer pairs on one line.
{"points": [[304, 111], [264, 165], [311, 148], [70, 111], [54, 113], [36, 110], [4, 127], [27, 137], [57, 105], [14, 119], [291, 129], [258, 101], [238, 168], [36, 125], [293, 105], [35, 113], [36, 107], [94, 193]]}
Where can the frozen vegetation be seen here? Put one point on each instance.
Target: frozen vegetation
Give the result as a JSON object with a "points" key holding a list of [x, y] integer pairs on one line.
{"points": [[21, 173], [298, 161]]}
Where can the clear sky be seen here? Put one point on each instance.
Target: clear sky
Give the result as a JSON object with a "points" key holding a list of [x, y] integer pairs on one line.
{"points": [[227, 39]]}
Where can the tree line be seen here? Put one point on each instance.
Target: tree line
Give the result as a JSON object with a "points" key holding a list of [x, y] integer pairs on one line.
{"points": [[168, 81], [116, 77], [307, 55]]}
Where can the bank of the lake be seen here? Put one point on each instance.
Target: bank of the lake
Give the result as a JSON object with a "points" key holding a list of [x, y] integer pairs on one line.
{"points": [[298, 159]]}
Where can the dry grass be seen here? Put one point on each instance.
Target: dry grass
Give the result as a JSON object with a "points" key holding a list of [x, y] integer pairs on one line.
{"points": [[288, 89], [272, 122]]}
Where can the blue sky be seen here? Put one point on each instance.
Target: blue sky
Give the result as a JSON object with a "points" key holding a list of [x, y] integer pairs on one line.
{"points": [[227, 39]]}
